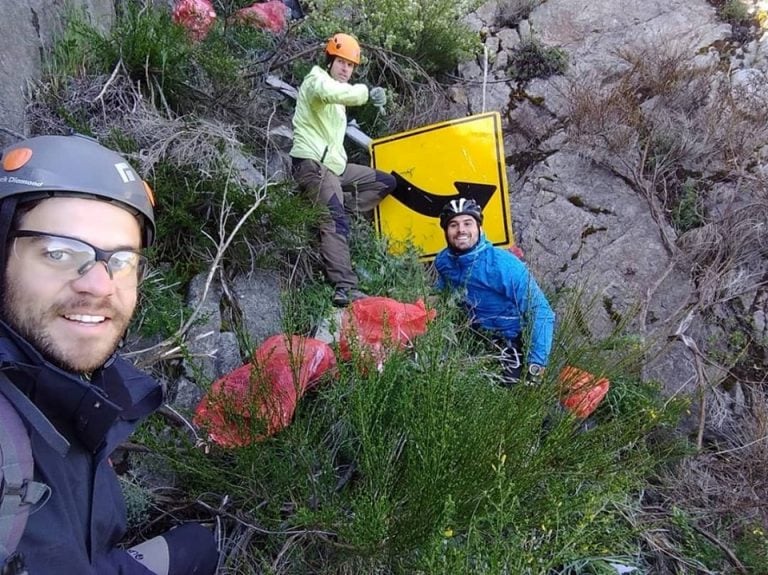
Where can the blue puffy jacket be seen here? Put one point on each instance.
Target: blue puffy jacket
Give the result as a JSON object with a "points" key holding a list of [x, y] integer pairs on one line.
{"points": [[77, 531], [501, 294]]}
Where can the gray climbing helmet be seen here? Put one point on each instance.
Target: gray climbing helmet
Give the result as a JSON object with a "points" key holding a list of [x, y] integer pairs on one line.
{"points": [[460, 207], [76, 165]]}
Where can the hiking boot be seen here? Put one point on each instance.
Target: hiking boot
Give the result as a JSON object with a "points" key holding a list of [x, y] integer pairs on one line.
{"points": [[355, 294], [342, 297]]}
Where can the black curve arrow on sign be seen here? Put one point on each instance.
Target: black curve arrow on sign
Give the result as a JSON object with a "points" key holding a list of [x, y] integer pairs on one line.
{"points": [[429, 204]]}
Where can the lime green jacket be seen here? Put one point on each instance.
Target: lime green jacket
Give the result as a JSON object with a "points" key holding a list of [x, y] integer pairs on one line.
{"points": [[320, 120]]}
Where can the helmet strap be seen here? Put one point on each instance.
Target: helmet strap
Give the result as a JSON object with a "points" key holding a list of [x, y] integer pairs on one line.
{"points": [[7, 211]]}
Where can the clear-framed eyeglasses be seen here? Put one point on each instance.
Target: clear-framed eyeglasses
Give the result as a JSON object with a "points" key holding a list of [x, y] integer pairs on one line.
{"points": [[71, 258]]}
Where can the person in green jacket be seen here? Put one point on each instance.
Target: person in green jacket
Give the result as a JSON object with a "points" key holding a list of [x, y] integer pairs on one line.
{"points": [[320, 165]]}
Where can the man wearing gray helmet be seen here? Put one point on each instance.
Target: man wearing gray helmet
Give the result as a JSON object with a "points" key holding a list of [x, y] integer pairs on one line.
{"points": [[74, 219]]}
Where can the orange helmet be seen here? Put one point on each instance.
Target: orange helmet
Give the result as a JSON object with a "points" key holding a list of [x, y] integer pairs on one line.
{"points": [[344, 46]]}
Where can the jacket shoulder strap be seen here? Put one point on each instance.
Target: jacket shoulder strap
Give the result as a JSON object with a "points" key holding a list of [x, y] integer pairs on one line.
{"points": [[18, 492]]}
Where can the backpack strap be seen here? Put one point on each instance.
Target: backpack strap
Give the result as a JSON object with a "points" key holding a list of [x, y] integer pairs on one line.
{"points": [[18, 492]]}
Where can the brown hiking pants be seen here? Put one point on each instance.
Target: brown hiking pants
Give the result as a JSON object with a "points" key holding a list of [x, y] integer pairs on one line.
{"points": [[359, 189]]}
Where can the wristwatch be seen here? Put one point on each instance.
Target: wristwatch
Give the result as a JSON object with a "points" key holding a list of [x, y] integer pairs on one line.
{"points": [[535, 370]]}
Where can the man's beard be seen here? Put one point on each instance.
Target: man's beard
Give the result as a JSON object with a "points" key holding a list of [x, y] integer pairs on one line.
{"points": [[33, 325]]}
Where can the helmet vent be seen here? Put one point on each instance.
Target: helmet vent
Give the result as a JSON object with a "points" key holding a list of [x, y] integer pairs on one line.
{"points": [[16, 159]]}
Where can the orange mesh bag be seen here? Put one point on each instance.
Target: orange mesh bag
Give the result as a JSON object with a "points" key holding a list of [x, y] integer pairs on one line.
{"points": [[380, 324], [581, 392], [259, 398], [196, 16], [270, 15]]}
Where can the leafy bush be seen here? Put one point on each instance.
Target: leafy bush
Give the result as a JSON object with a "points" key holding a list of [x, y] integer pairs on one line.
{"points": [[429, 31], [533, 60], [226, 53], [735, 12], [158, 55], [402, 277], [80, 46], [138, 502], [161, 309], [687, 211], [752, 549], [150, 46], [153, 50], [427, 466], [189, 207]]}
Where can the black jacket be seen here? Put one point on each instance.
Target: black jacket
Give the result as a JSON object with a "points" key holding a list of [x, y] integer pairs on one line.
{"points": [[78, 529]]}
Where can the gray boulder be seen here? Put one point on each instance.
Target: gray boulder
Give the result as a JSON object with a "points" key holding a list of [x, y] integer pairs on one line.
{"points": [[257, 296], [27, 29]]}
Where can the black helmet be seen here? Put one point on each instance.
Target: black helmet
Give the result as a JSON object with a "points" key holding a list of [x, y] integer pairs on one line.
{"points": [[47, 166], [462, 206]]}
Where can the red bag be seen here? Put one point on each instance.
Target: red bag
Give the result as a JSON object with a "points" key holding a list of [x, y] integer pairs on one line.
{"points": [[270, 15], [517, 251], [197, 16], [259, 398], [380, 324], [581, 391]]}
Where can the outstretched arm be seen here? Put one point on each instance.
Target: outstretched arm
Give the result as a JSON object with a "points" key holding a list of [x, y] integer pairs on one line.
{"points": [[329, 91]]}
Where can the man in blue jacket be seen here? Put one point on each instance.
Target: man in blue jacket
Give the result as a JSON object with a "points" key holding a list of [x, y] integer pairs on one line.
{"points": [[320, 162], [74, 219], [499, 292]]}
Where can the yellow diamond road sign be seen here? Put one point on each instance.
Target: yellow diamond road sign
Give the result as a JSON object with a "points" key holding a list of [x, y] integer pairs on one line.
{"points": [[435, 164]]}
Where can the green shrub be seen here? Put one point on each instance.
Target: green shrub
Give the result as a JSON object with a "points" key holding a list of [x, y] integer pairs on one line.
{"points": [[429, 31], [402, 278], [228, 51], [752, 549], [190, 206], [687, 210], [153, 50], [692, 542], [425, 465], [161, 309], [138, 502], [79, 47], [735, 12], [533, 60], [150, 46], [289, 216]]}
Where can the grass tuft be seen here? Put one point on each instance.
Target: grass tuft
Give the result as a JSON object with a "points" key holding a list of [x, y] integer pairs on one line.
{"points": [[533, 60]]}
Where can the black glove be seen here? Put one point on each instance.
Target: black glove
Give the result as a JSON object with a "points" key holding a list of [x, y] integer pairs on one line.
{"points": [[511, 365]]}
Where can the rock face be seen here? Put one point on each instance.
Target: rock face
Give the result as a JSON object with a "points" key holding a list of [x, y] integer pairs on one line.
{"points": [[593, 32], [212, 347], [586, 223], [584, 226], [27, 28]]}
